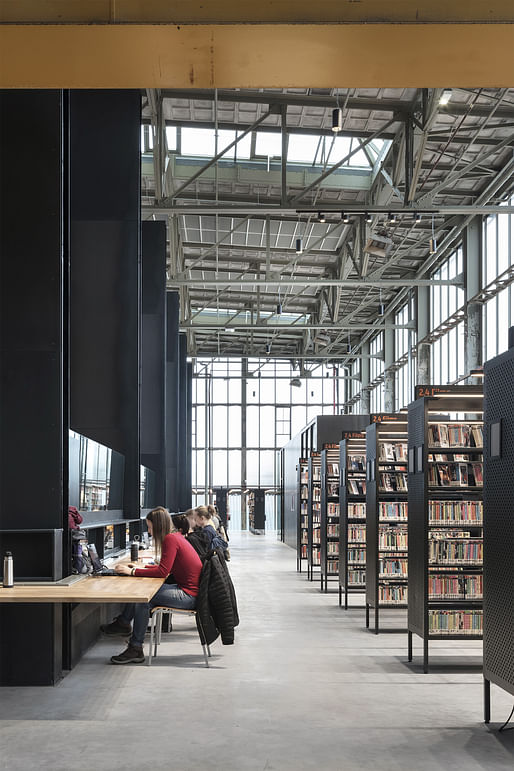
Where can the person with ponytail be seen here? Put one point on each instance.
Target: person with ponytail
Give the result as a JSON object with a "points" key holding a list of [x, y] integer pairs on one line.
{"points": [[173, 553], [204, 519]]}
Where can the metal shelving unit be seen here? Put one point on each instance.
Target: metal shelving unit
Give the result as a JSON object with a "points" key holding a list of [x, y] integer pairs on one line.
{"points": [[352, 515], [329, 530]]}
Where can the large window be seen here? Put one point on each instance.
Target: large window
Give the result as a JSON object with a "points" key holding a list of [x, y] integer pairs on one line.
{"points": [[448, 351], [498, 256], [376, 370], [405, 339], [241, 417]]}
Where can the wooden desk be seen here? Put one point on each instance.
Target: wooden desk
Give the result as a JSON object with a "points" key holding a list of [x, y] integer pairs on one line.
{"points": [[101, 589]]}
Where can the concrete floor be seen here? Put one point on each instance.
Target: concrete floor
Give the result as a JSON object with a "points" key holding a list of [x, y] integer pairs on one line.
{"points": [[304, 687]]}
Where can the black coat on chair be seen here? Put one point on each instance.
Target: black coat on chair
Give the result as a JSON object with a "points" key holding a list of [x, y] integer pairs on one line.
{"points": [[216, 605]]}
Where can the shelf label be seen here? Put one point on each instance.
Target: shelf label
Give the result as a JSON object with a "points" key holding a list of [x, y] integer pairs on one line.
{"points": [[352, 435], [385, 418]]}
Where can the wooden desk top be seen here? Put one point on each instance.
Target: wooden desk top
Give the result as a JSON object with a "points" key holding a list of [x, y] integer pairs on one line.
{"points": [[89, 589]]}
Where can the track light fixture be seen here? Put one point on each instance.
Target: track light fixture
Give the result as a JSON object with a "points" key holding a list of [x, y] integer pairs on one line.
{"points": [[345, 218], [381, 309], [392, 217], [268, 348], [445, 96], [321, 217], [337, 120], [368, 217], [417, 218], [299, 246], [279, 309], [433, 245], [348, 348]]}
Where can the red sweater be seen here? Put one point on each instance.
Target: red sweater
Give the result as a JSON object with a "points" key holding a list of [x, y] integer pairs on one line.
{"points": [[179, 557]]}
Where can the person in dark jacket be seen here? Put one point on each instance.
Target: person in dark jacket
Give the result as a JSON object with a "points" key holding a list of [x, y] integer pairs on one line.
{"points": [[198, 539], [216, 604], [204, 519]]}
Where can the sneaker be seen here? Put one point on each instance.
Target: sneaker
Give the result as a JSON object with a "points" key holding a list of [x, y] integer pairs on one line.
{"points": [[116, 629], [130, 656]]}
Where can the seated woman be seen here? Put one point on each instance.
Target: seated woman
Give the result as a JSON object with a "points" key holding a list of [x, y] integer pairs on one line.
{"points": [[204, 519], [199, 540], [174, 553]]}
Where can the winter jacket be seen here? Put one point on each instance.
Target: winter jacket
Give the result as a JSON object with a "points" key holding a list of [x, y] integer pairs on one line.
{"points": [[216, 606], [200, 542]]}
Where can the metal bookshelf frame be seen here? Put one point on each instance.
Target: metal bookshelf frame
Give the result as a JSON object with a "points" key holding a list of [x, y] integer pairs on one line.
{"points": [[353, 443], [303, 466], [329, 454], [440, 402], [314, 462], [392, 428]]}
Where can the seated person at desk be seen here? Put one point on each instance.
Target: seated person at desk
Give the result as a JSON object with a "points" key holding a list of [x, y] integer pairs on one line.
{"points": [[199, 540], [176, 555], [204, 519]]}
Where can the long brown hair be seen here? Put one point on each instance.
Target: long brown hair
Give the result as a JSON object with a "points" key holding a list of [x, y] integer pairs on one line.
{"points": [[161, 526]]}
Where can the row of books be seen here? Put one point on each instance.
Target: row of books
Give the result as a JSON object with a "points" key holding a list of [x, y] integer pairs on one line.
{"points": [[356, 556], [333, 567], [304, 539], [304, 520], [395, 451], [357, 533], [447, 535], [455, 512], [447, 622], [332, 509], [392, 567], [392, 539], [357, 486], [392, 595], [462, 552], [333, 547], [455, 435], [316, 556], [333, 469], [356, 511], [316, 474], [333, 489], [393, 481], [392, 510], [333, 531], [304, 551], [443, 457], [316, 493], [356, 463], [304, 476], [304, 492], [304, 509], [456, 474], [356, 577], [455, 587]]}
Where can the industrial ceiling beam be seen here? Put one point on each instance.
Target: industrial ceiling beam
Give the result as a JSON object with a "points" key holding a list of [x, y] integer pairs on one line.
{"points": [[264, 327], [312, 282], [329, 208]]}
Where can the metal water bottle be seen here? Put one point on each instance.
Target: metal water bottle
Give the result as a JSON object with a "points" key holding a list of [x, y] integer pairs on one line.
{"points": [[8, 570], [134, 549]]}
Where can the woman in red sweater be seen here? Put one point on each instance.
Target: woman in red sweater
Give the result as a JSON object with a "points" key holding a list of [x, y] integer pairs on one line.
{"points": [[179, 590]]}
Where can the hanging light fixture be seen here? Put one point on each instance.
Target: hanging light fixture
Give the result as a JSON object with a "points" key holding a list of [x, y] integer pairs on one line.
{"points": [[345, 218], [321, 217], [433, 240], [299, 246], [368, 217], [417, 218], [337, 120], [268, 348], [392, 217], [381, 307], [279, 304]]}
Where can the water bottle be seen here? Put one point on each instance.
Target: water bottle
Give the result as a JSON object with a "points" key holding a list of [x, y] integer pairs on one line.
{"points": [[134, 549], [8, 570]]}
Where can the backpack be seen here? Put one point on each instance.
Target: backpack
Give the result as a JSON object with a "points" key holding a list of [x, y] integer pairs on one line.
{"points": [[84, 556]]}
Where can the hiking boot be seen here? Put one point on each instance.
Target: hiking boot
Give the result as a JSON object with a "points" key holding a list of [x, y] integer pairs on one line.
{"points": [[130, 656], [117, 628]]}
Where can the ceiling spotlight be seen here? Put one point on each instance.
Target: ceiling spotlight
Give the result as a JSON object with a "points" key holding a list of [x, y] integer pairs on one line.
{"points": [[296, 382], [348, 348], [417, 217], [279, 309], [381, 309], [268, 348], [337, 120], [321, 217], [345, 217], [392, 217], [433, 245], [368, 217], [299, 247], [445, 96]]}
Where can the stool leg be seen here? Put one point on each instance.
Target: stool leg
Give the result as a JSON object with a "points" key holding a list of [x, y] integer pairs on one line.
{"points": [[157, 636], [152, 630]]}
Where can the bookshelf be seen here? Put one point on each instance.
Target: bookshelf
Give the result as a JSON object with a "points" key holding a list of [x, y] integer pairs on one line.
{"points": [[303, 516], [386, 514], [498, 524], [256, 512], [329, 527], [314, 514], [352, 515], [445, 465]]}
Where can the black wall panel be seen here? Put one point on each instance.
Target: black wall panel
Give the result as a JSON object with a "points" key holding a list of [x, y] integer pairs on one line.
{"points": [[105, 274], [33, 422], [172, 401], [153, 354]]}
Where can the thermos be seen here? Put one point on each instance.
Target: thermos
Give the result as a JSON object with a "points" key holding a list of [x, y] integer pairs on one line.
{"points": [[134, 549], [8, 570]]}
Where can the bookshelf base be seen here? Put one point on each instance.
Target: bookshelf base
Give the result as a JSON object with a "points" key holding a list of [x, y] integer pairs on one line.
{"points": [[428, 637], [346, 590], [377, 606]]}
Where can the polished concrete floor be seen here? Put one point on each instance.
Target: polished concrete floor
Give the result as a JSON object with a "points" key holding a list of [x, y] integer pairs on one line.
{"points": [[304, 687]]}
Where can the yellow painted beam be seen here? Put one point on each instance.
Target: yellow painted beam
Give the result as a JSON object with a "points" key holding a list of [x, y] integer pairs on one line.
{"points": [[251, 12], [254, 56]]}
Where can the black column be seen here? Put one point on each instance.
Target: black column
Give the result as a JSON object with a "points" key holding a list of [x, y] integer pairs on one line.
{"points": [[105, 275], [153, 355], [188, 480], [33, 438], [172, 400], [184, 444]]}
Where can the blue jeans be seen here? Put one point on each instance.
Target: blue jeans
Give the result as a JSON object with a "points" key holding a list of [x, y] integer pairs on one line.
{"points": [[169, 595]]}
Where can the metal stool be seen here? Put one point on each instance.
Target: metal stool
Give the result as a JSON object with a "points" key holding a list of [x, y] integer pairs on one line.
{"points": [[156, 629]]}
